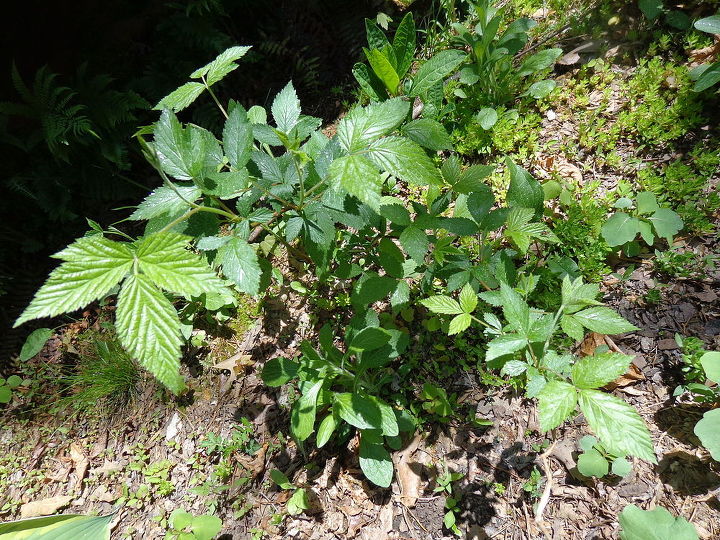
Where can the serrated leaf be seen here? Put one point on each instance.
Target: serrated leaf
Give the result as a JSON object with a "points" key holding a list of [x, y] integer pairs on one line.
{"points": [[657, 524], [188, 153], [504, 345], [223, 64], [164, 258], [238, 138], [428, 133], [240, 264], [279, 371], [362, 125], [415, 242], [598, 370], [620, 229], [358, 176], [666, 223], [149, 329], [34, 343], [302, 416], [286, 108], [468, 299], [93, 265], [556, 402], [572, 328], [617, 425], [515, 309], [181, 98], [442, 304], [358, 410], [376, 463], [165, 200], [435, 70], [524, 191], [603, 320], [514, 368], [459, 323], [404, 159], [391, 258]]}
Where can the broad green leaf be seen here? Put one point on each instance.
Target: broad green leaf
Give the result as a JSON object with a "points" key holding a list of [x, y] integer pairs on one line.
{"points": [[358, 176], [598, 370], [666, 223], [166, 200], [710, 362], [459, 323], [657, 524], [326, 429], [709, 76], [487, 118], [362, 125], [372, 288], [541, 89], [358, 410], [646, 232], [577, 295], [404, 44], [93, 265], [468, 299], [279, 371], [572, 328], [375, 36], [647, 202], [391, 258], [181, 98], [164, 258], [5, 393], [238, 138], [524, 191], [603, 320], [617, 424], [302, 416], [538, 61], [428, 133], [36, 341], [479, 202], [59, 527], [286, 109], [708, 431], [394, 209], [651, 8], [556, 402], [621, 467], [504, 345], [678, 19], [515, 309], [403, 158], [593, 463], [149, 329], [442, 304], [369, 82], [383, 69], [376, 463], [240, 264], [588, 442], [415, 243], [711, 25], [389, 420], [206, 527], [369, 339], [620, 229], [471, 180], [221, 66], [298, 502], [435, 70], [514, 368]]}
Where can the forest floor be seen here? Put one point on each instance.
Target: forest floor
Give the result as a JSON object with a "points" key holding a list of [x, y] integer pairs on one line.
{"points": [[156, 454]]}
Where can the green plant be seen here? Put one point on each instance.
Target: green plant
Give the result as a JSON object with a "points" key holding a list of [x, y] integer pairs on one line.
{"points": [[436, 401], [184, 526], [34, 343], [707, 75], [452, 498], [647, 219], [657, 524], [597, 461], [60, 526], [533, 485], [652, 9], [241, 440], [7, 386], [298, 501]]}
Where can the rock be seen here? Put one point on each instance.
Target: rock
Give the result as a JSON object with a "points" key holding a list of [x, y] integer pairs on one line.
{"points": [[667, 345]]}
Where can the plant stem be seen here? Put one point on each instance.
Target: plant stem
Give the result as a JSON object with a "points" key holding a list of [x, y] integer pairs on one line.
{"points": [[222, 109]]}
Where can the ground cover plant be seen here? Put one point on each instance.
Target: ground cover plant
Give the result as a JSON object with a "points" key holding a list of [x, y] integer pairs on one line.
{"points": [[416, 270]]}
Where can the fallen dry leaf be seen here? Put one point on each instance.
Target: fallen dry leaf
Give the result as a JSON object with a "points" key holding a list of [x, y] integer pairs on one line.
{"points": [[80, 460], [236, 365], [408, 473], [108, 467], [44, 507]]}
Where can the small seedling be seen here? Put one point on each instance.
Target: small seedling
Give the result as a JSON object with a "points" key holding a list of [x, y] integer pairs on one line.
{"points": [[597, 461], [452, 498], [534, 483], [185, 526], [299, 499], [7, 386]]}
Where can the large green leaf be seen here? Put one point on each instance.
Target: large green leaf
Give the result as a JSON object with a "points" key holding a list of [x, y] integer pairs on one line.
{"points": [[415, 242], [358, 410], [59, 527], [708, 431], [405, 159], [435, 70], [369, 82], [617, 424], [221, 66], [326, 429], [538, 61], [666, 223], [404, 44], [556, 401], [93, 265], [149, 328], [504, 345], [657, 524], [364, 124], [710, 362], [442, 304], [302, 416], [383, 69], [358, 176], [286, 109], [34, 343], [240, 264], [603, 320], [164, 258], [238, 138], [428, 133], [711, 25], [181, 98], [598, 370], [185, 154], [620, 229], [515, 309], [369, 339], [524, 191], [375, 462], [166, 200]]}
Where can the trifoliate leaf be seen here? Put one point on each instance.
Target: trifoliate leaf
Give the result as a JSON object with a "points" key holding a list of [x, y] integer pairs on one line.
{"points": [[164, 258], [556, 402], [149, 328], [617, 424], [459, 323], [221, 66], [415, 242], [468, 299], [442, 304], [240, 264], [93, 265]]}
